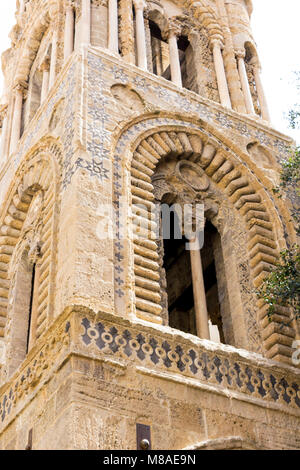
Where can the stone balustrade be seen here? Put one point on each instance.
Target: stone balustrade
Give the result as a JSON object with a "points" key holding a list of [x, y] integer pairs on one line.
{"points": [[155, 351]]}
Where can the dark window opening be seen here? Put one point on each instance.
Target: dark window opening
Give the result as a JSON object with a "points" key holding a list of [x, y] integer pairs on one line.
{"points": [[177, 267], [30, 307], [159, 52], [179, 282], [211, 283], [187, 64]]}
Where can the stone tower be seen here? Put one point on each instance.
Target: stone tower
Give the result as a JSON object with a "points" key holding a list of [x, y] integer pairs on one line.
{"points": [[113, 336]]}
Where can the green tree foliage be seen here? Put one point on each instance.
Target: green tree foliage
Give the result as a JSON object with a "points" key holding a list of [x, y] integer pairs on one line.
{"points": [[290, 181], [282, 286]]}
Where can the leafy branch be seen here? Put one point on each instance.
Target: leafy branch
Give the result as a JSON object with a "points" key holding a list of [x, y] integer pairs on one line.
{"points": [[282, 286]]}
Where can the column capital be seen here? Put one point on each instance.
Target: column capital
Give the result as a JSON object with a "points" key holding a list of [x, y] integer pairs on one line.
{"points": [[45, 65], [53, 10], [240, 53], [70, 5], [172, 29], [216, 42], [139, 4], [21, 87]]}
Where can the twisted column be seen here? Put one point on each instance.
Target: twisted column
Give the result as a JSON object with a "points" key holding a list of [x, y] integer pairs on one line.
{"points": [[69, 29], [220, 73], [139, 6], [19, 91], [113, 31], [261, 94], [127, 45], [244, 81], [230, 64]]}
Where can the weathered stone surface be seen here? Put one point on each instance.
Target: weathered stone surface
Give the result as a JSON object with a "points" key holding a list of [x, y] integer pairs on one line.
{"points": [[98, 332]]}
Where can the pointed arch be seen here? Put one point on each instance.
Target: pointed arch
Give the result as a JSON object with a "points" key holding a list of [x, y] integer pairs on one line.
{"points": [[207, 17], [38, 173], [246, 195]]}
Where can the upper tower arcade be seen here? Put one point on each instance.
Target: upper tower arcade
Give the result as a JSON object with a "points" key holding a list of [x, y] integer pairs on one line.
{"points": [[206, 47]]}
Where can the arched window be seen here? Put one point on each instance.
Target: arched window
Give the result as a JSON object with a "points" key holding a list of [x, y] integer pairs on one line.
{"points": [[249, 64], [24, 306], [38, 86], [160, 57], [36, 82], [160, 60]]}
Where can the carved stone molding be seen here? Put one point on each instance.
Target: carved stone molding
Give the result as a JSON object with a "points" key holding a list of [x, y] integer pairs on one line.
{"points": [[106, 337], [34, 175], [193, 175], [241, 189]]}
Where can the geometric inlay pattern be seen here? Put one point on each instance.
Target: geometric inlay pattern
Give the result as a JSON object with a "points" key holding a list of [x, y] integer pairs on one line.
{"points": [[208, 366]]}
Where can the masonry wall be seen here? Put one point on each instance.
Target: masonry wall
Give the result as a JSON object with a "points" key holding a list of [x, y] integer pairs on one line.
{"points": [[76, 393], [88, 400]]}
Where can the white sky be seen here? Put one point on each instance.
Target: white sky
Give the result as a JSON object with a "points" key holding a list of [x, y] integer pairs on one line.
{"points": [[275, 25]]}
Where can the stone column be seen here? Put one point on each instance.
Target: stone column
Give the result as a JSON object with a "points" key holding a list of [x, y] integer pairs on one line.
{"points": [[220, 73], [139, 6], [174, 56], [45, 67], [113, 31], [53, 60], [86, 22], [244, 82], [232, 74], [17, 117], [22, 7], [69, 30], [4, 133], [261, 94], [199, 293]]}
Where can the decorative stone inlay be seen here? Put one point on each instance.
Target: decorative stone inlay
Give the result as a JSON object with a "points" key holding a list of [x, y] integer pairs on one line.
{"points": [[188, 104], [226, 370], [212, 367], [181, 102]]}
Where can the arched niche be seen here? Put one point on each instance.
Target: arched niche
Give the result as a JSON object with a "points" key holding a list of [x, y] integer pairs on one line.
{"points": [[247, 221], [265, 160], [27, 224]]}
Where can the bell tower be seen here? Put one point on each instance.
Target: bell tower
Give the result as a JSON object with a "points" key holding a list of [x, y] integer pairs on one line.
{"points": [[137, 221]]}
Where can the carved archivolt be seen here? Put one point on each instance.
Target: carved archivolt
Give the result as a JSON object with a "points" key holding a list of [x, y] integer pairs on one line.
{"points": [[37, 179], [38, 26], [241, 190], [207, 17]]}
